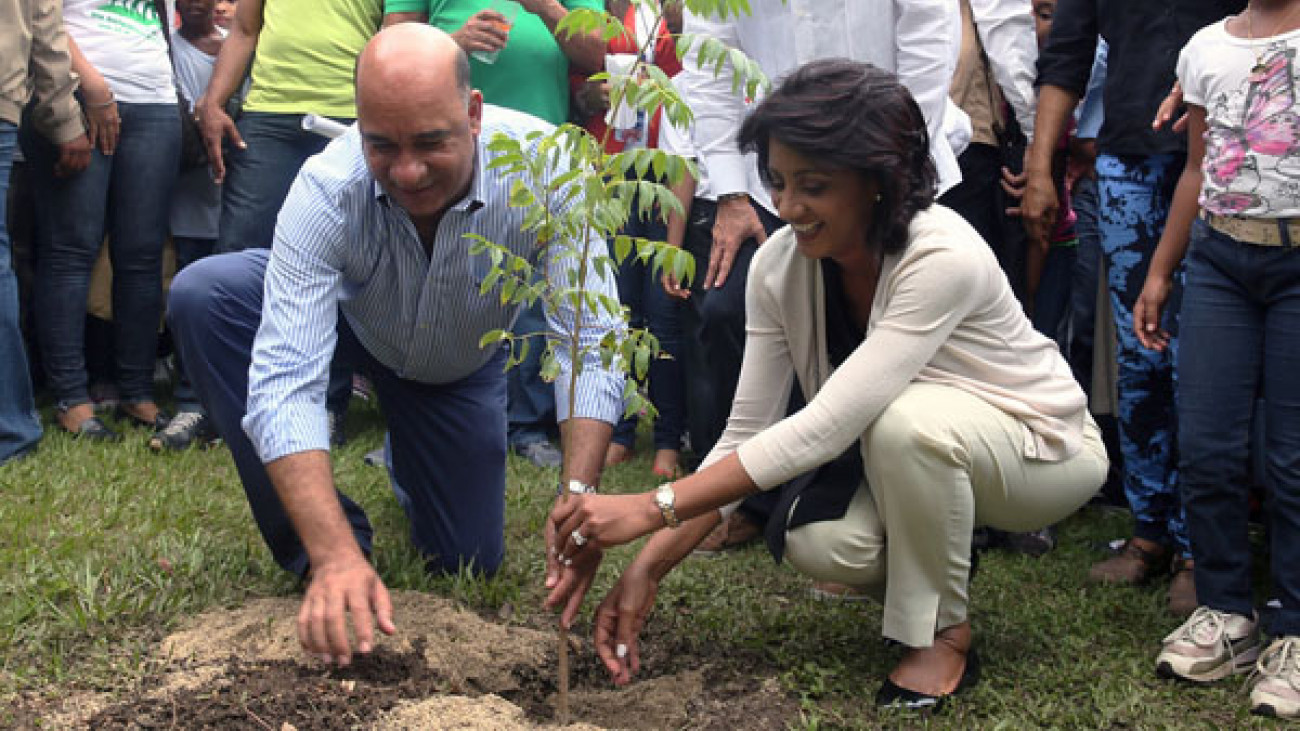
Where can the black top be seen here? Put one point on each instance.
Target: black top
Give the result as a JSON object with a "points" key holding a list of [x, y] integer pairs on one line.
{"points": [[823, 493], [1145, 37]]}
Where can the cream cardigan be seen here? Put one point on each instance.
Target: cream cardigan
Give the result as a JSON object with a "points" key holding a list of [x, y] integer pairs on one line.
{"points": [[943, 313]]}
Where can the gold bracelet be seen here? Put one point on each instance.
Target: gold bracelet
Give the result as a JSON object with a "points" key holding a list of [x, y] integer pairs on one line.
{"points": [[111, 101]]}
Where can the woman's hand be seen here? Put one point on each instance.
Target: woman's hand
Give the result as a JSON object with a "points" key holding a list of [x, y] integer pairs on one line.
{"points": [[103, 124], [583, 522], [620, 619], [1146, 313]]}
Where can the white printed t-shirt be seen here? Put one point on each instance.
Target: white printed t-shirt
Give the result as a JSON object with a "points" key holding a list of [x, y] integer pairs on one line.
{"points": [[123, 40]]}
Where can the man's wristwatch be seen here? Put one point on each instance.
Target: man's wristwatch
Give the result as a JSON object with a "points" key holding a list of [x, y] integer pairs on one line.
{"points": [[575, 487], [665, 498]]}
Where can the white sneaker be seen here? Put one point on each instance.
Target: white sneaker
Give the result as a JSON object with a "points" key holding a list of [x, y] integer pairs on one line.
{"points": [[1277, 691], [1209, 646]]}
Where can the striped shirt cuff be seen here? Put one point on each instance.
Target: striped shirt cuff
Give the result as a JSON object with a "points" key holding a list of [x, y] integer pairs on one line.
{"points": [[599, 395], [288, 429]]}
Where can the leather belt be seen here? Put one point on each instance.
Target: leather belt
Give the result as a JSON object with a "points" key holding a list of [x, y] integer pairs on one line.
{"points": [[1257, 231]]}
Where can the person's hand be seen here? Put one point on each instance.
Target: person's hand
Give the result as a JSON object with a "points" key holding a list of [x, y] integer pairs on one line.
{"points": [[735, 223], [337, 589], [1168, 107], [1081, 162], [584, 522], [1039, 206], [568, 580], [1014, 185], [674, 288], [592, 98], [103, 123], [215, 126], [74, 156], [1146, 313], [619, 621], [485, 31]]}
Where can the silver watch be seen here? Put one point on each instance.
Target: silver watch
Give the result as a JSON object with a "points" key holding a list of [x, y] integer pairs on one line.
{"points": [[665, 499], [575, 487]]}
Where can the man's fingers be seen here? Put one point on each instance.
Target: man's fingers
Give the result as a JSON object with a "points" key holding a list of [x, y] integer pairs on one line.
{"points": [[715, 255], [724, 266], [1180, 126], [336, 629], [317, 621], [758, 233], [363, 621], [383, 605]]}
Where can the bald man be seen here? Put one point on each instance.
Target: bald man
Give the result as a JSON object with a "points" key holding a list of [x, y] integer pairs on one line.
{"points": [[374, 229]]}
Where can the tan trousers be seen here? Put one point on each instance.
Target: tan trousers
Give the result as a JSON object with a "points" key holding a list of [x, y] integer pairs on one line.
{"points": [[939, 462]]}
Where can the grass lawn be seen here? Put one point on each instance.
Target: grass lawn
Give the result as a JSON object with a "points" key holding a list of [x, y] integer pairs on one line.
{"points": [[106, 548]]}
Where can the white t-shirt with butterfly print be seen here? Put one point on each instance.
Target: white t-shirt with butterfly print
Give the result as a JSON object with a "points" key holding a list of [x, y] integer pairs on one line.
{"points": [[1252, 142]]}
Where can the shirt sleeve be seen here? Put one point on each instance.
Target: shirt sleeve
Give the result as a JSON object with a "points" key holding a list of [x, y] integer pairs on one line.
{"points": [[57, 115], [926, 48], [1067, 59], [289, 374], [928, 296], [406, 6], [1006, 28], [718, 110], [1092, 111], [1189, 74]]}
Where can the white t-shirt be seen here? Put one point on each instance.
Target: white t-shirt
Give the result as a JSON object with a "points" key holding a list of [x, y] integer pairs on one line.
{"points": [[123, 40], [1252, 142]]}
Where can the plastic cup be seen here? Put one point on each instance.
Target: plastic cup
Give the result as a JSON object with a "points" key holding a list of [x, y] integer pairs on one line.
{"points": [[508, 9]]}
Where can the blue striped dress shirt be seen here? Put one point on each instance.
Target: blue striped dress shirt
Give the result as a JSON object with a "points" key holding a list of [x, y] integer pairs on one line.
{"points": [[341, 245]]}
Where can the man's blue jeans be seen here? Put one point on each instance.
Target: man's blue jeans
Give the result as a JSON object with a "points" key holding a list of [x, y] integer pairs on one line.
{"points": [[126, 195], [20, 428], [1135, 193], [1240, 330]]}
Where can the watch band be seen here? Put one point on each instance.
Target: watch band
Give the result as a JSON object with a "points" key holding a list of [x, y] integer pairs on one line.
{"points": [[575, 487], [665, 500]]}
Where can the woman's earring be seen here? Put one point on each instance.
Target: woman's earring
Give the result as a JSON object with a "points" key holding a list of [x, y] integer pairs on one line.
{"points": [[877, 197]]}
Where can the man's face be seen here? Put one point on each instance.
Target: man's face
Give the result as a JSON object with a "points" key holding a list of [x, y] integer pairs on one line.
{"points": [[195, 13], [1043, 12], [419, 143], [224, 13]]}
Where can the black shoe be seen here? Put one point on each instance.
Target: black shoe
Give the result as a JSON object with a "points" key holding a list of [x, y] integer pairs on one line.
{"points": [[895, 697], [184, 429], [158, 424], [94, 430]]}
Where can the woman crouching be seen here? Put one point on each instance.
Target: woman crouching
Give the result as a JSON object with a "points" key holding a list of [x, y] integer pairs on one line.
{"points": [[933, 406]]}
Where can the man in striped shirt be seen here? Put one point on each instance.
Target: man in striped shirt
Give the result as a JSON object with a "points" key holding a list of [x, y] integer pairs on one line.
{"points": [[375, 228]]}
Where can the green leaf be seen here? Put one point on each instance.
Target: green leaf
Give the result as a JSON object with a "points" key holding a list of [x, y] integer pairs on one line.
{"points": [[491, 337]]}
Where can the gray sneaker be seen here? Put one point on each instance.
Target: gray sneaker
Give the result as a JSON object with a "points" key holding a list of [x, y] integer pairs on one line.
{"points": [[1277, 690], [1209, 646], [541, 453], [184, 429]]}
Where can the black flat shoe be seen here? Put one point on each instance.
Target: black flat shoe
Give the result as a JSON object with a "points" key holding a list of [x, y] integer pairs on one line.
{"points": [[94, 430], [159, 422], [893, 696]]}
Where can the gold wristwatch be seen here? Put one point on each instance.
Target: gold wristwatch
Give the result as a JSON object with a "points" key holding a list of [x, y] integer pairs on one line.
{"points": [[664, 500]]}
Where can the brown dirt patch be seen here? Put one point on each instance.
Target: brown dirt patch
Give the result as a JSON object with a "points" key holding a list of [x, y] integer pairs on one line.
{"points": [[447, 668]]}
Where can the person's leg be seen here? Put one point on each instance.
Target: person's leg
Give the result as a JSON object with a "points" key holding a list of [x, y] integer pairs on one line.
{"points": [[849, 551], [139, 199], [1135, 194], [1052, 301], [531, 401], [940, 461], [446, 454], [70, 215], [20, 427], [1282, 434], [214, 310], [703, 423], [631, 292], [188, 251], [1083, 276]]}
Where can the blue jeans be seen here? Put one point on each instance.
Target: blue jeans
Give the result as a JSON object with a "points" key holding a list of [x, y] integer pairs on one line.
{"points": [[258, 178], [1083, 280], [127, 196], [1135, 193], [530, 405], [20, 427], [1240, 330], [1053, 299], [651, 308], [446, 442], [188, 251]]}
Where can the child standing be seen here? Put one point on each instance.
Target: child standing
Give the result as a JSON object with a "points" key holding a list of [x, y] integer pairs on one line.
{"points": [[1240, 336]]}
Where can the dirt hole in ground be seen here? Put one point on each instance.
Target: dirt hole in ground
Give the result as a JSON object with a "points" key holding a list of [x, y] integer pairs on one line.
{"points": [[447, 668]]}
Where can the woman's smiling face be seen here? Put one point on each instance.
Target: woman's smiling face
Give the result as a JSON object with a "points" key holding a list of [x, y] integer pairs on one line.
{"points": [[829, 208]]}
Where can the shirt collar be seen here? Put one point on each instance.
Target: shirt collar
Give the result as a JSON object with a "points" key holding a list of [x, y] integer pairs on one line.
{"points": [[472, 201]]}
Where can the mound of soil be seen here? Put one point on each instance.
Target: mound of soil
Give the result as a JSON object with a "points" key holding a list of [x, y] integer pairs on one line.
{"points": [[447, 668]]}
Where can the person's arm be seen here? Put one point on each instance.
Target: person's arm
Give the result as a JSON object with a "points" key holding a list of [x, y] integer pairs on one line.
{"points": [[1006, 29], [56, 113], [925, 48], [97, 101], [585, 51], [391, 18], [227, 74], [1173, 242]]}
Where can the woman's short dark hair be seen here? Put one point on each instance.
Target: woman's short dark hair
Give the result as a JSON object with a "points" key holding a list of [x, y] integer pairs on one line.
{"points": [[858, 117]]}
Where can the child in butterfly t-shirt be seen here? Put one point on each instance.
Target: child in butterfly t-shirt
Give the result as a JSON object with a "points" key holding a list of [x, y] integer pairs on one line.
{"points": [[1236, 219]]}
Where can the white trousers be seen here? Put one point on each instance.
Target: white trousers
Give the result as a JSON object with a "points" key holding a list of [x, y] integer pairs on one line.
{"points": [[939, 462]]}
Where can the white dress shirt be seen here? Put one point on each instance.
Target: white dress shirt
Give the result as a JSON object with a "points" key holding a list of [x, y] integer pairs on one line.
{"points": [[1006, 28], [917, 39]]}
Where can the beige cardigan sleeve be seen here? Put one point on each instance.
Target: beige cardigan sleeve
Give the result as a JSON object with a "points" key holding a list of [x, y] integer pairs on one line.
{"points": [[924, 298]]}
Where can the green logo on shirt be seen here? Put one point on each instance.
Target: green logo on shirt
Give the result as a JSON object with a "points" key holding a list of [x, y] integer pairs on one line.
{"points": [[136, 16]]}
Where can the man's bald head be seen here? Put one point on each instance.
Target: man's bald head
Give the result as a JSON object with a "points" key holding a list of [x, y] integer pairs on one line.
{"points": [[409, 53]]}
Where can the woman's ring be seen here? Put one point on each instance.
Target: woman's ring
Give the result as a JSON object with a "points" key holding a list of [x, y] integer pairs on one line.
{"points": [[578, 539]]}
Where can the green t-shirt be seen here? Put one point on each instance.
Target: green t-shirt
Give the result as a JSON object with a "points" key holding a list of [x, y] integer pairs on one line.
{"points": [[305, 55], [531, 73]]}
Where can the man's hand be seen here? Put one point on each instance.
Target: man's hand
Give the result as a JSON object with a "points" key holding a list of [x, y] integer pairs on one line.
{"points": [[735, 223], [674, 288], [619, 621], [74, 156], [1146, 313], [338, 588], [485, 31], [216, 126], [570, 580], [1168, 107], [1039, 206]]}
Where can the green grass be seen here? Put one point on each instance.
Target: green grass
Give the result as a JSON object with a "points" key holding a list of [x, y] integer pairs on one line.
{"points": [[105, 548]]}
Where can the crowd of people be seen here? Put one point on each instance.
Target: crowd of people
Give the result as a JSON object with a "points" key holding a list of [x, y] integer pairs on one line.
{"points": [[965, 264]]}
